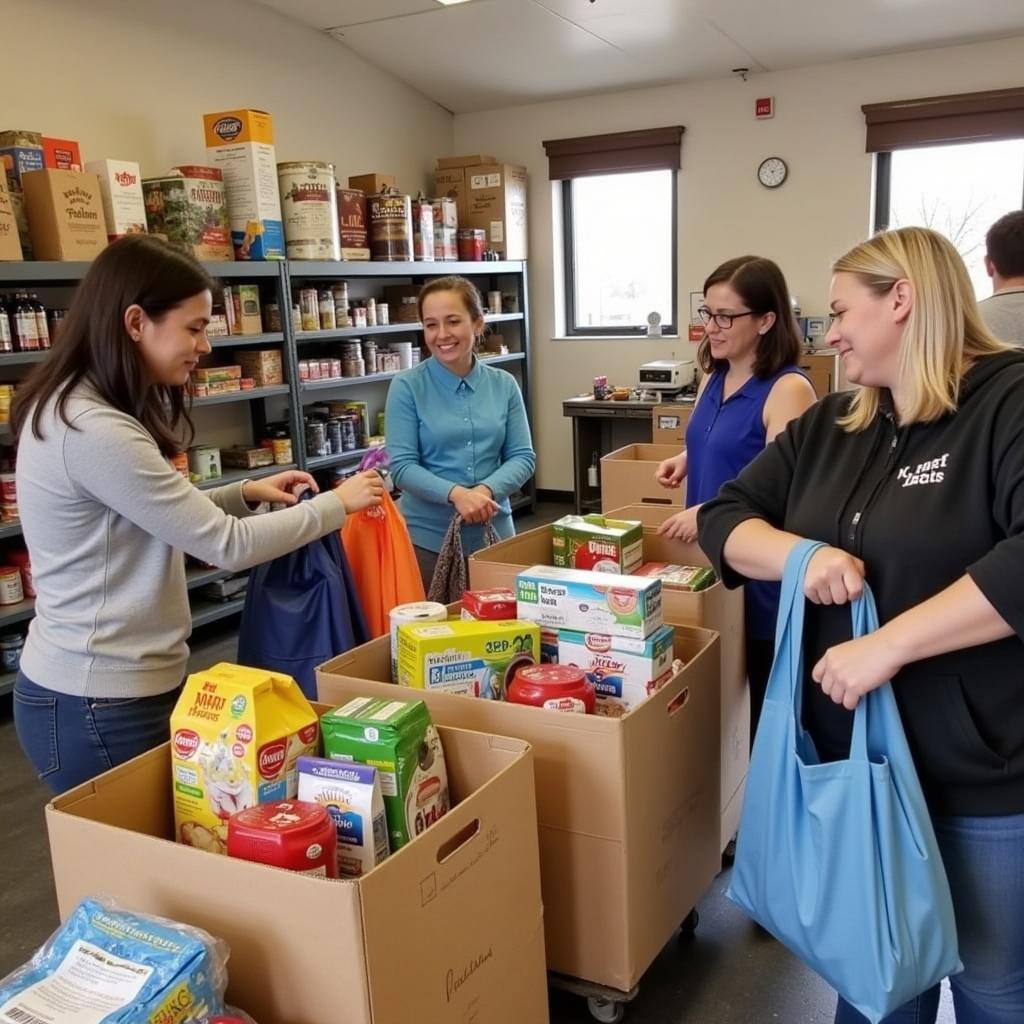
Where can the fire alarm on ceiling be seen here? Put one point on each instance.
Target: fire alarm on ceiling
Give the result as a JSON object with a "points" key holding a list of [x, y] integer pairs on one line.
{"points": [[764, 107]]}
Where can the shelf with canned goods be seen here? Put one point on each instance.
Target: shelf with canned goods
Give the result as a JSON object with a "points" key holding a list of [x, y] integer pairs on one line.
{"points": [[236, 476], [58, 272], [252, 395], [339, 333], [299, 269], [241, 340], [370, 378]]}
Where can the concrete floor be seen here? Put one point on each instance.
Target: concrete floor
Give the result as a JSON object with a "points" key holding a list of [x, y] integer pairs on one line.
{"points": [[728, 973]]}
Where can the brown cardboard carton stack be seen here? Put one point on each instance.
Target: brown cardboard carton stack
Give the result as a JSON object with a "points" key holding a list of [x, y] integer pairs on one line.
{"points": [[65, 214]]}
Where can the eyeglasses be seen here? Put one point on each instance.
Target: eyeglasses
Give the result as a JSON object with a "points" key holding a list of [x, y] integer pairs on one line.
{"points": [[724, 320]]}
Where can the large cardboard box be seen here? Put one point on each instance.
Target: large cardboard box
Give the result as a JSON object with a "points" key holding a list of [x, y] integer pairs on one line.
{"points": [[668, 423], [10, 242], [496, 202], [715, 608], [65, 214], [449, 929], [371, 184], [627, 807], [627, 478], [445, 162]]}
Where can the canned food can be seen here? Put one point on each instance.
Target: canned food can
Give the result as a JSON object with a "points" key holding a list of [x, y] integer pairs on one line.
{"points": [[334, 436], [348, 434], [11, 645], [360, 317], [303, 370], [382, 314], [391, 227], [316, 439], [309, 307], [282, 447], [336, 368], [309, 210], [11, 591]]}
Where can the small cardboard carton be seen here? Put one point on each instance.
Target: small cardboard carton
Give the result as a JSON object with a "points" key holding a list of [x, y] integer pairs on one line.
{"points": [[263, 365], [627, 807], [188, 207], [444, 162], [627, 477], [448, 929], [371, 183], [597, 543], [65, 214], [62, 154], [10, 242], [123, 202]]}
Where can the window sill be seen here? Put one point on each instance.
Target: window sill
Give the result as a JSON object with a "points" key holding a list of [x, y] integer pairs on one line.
{"points": [[617, 337]]}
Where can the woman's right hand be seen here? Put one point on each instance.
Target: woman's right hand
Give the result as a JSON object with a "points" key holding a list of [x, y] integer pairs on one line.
{"points": [[833, 577], [364, 490], [671, 472], [473, 505]]}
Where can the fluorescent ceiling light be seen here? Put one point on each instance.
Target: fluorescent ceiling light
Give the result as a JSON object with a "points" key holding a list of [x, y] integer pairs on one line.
{"points": [[448, 3]]}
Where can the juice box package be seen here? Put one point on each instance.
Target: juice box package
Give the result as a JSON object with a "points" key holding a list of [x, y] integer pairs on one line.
{"points": [[597, 544], [187, 207], [351, 795], [236, 736], [594, 602], [241, 144], [682, 577], [624, 671], [466, 657], [121, 188], [397, 738]]}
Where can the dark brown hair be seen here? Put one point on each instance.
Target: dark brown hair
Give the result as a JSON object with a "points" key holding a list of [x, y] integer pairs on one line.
{"points": [[93, 344], [760, 284], [1004, 244], [465, 289]]}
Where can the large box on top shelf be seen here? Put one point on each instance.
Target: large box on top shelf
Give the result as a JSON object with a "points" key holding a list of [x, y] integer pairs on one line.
{"points": [[65, 214], [627, 477], [714, 608], [627, 807], [496, 202], [448, 929]]}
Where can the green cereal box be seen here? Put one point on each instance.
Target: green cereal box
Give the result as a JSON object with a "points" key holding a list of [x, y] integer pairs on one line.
{"points": [[397, 738], [468, 657], [597, 544]]}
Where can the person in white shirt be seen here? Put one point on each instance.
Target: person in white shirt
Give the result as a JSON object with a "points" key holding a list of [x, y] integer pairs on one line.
{"points": [[1003, 311]]}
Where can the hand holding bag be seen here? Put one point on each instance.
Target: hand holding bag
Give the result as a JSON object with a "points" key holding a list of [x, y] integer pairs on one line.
{"points": [[839, 860], [449, 582]]}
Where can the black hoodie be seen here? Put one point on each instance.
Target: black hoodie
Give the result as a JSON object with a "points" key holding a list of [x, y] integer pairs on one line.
{"points": [[921, 505]]}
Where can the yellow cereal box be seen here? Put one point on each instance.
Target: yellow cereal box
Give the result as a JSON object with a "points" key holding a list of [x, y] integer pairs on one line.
{"points": [[236, 734]]}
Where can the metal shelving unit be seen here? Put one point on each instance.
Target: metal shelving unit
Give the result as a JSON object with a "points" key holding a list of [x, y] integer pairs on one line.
{"points": [[247, 340], [204, 612], [253, 395], [236, 476], [340, 333]]}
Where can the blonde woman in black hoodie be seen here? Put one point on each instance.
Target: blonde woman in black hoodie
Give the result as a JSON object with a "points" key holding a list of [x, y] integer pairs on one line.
{"points": [[916, 480]]}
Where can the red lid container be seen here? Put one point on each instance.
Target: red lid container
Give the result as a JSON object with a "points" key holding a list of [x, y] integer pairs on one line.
{"points": [[293, 834], [555, 687], [496, 605]]}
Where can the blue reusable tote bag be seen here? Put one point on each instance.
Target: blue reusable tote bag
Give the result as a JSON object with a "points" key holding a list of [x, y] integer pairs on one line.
{"points": [[838, 860]]}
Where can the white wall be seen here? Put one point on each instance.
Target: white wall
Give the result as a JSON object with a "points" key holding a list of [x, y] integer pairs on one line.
{"points": [[132, 80], [823, 208]]}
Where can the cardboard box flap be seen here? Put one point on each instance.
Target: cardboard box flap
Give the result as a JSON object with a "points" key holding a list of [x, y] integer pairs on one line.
{"points": [[641, 453]]}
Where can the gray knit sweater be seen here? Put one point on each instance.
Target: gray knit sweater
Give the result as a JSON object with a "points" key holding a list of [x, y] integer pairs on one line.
{"points": [[106, 519]]}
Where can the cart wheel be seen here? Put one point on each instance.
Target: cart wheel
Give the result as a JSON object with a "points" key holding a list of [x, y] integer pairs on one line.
{"points": [[689, 925], [605, 1011]]}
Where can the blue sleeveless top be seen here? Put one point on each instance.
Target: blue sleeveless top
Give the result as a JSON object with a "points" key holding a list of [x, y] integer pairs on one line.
{"points": [[721, 438]]}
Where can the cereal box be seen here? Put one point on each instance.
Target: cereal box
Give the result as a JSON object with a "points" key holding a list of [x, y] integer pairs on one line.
{"points": [[187, 207], [624, 671], [121, 188], [241, 144], [397, 738], [471, 658], [236, 736], [598, 544], [682, 577], [594, 602]]}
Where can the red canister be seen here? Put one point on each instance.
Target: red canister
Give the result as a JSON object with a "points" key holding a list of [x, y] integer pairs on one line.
{"points": [[293, 834], [554, 687], [495, 605], [471, 242]]}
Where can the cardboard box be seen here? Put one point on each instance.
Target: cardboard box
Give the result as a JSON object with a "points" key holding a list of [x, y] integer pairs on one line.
{"points": [[241, 144], [20, 151], [714, 608], [627, 807], [188, 207], [447, 930], [668, 423], [10, 241], [263, 365], [444, 162], [241, 457], [627, 478], [450, 183], [61, 154], [496, 202], [123, 204], [65, 214], [597, 543], [371, 183]]}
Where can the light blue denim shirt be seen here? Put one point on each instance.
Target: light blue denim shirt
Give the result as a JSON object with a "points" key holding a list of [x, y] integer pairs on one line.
{"points": [[445, 431]]}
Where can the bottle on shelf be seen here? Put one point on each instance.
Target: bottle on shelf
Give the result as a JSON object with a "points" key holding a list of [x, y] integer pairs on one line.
{"points": [[42, 329], [6, 334], [26, 328]]}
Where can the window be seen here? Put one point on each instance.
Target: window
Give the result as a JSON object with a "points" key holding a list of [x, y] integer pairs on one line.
{"points": [[619, 229]]}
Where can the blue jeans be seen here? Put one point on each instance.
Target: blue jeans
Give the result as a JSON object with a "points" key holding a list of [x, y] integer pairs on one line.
{"points": [[984, 860], [70, 740]]}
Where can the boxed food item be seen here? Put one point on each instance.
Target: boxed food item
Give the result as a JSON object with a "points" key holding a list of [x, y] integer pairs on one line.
{"points": [[243, 457], [65, 214], [263, 365], [403, 302], [351, 795], [624, 671], [353, 224], [241, 144], [20, 151], [496, 604], [212, 374], [61, 154], [203, 462], [397, 738], [123, 204], [685, 577], [246, 298], [595, 602], [423, 230], [221, 387], [496, 202], [187, 207], [596, 543], [10, 241], [236, 736], [371, 183], [475, 659]]}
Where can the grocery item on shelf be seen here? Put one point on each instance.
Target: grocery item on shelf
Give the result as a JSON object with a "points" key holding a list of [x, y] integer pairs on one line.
{"points": [[246, 301], [415, 611], [20, 559], [245, 457], [62, 154], [124, 206], [471, 243], [10, 237], [562, 688], [370, 183], [390, 220], [188, 208], [595, 543], [496, 604], [352, 797], [682, 577], [353, 224], [20, 151], [423, 229], [236, 736], [399, 739], [264, 365], [241, 144], [293, 834], [11, 646], [309, 210], [11, 591], [65, 214]]}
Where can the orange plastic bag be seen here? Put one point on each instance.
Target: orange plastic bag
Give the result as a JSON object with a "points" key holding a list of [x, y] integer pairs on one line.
{"points": [[383, 562]]}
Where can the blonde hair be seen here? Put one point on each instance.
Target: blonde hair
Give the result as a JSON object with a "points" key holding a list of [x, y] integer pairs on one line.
{"points": [[943, 332]]}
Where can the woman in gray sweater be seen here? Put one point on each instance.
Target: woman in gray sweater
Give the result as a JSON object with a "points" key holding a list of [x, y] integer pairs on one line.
{"points": [[107, 518]]}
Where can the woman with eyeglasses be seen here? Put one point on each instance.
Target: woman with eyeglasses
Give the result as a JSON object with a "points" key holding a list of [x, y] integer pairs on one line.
{"points": [[750, 389]]}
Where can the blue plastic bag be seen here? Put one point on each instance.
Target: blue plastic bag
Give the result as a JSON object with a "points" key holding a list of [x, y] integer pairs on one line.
{"points": [[839, 860], [301, 610]]}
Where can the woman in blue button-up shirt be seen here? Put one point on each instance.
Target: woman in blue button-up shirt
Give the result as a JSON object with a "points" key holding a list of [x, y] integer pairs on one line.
{"points": [[456, 429]]}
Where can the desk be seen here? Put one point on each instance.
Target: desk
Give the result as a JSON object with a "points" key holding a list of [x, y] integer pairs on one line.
{"points": [[603, 427]]}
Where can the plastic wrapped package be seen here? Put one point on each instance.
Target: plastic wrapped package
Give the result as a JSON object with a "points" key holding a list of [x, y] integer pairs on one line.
{"points": [[108, 966]]}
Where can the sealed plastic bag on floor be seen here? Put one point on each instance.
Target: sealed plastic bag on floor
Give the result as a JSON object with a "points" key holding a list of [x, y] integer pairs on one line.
{"points": [[839, 860], [450, 577], [301, 610]]}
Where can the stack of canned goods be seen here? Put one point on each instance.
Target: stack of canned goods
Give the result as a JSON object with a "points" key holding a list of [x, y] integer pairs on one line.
{"points": [[370, 355], [329, 308], [332, 435], [352, 362]]}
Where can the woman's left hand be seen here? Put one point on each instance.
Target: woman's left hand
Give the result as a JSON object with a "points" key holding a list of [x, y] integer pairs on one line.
{"points": [[281, 488], [850, 670]]}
